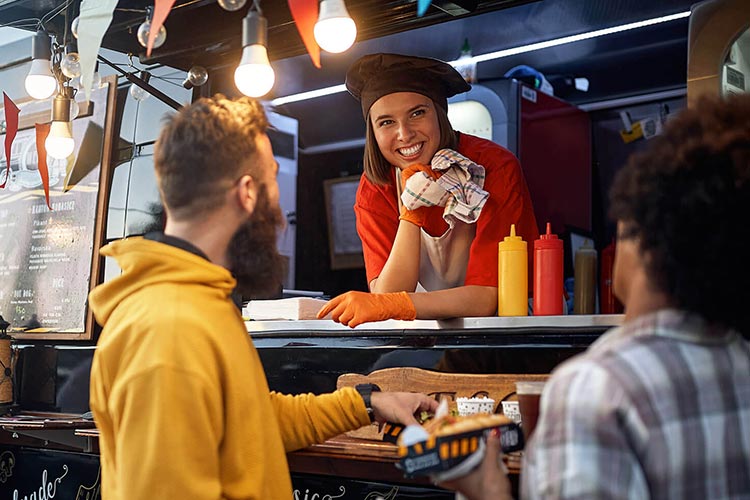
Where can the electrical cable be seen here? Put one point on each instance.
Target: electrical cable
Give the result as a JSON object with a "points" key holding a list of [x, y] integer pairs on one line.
{"points": [[153, 77], [52, 14], [143, 11], [32, 21], [133, 156]]}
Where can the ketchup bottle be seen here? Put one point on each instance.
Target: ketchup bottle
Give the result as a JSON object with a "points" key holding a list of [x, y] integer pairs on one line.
{"points": [[548, 275], [608, 303], [512, 276]]}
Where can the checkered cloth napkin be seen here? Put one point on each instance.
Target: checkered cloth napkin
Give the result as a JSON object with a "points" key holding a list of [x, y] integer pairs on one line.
{"points": [[459, 189]]}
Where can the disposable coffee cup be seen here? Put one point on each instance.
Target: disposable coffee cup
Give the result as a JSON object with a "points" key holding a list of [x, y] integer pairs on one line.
{"points": [[510, 410], [528, 394]]}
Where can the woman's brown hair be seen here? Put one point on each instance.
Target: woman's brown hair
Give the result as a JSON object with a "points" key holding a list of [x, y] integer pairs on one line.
{"points": [[376, 167]]}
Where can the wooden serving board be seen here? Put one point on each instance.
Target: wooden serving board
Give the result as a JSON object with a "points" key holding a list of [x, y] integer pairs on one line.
{"points": [[438, 385]]}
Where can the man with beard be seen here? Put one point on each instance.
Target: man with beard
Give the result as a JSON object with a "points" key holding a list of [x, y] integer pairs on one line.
{"points": [[177, 388]]}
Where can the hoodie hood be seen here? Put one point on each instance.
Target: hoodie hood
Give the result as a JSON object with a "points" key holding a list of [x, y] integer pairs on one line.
{"points": [[145, 263]]}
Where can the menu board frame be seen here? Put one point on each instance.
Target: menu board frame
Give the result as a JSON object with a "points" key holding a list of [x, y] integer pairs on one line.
{"points": [[99, 209]]}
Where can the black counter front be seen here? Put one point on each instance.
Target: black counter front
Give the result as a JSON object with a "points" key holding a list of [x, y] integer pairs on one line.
{"points": [[308, 356]]}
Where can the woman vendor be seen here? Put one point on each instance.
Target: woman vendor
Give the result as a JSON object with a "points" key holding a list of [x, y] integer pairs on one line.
{"points": [[433, 203]]}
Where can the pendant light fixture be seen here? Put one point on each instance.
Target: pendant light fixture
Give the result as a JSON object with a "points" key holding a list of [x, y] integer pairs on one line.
{"points": [[40, 83], [138, 93], [145, 28], [335, 30], [231, 5], [254, 76], [59, 143], [197, 76], [71, 62]]}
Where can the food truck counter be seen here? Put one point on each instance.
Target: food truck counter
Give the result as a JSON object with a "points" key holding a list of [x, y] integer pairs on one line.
{"points": [[309, 356], [298, 356]]}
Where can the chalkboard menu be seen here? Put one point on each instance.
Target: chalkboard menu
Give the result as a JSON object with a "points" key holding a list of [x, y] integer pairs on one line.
{"points": [[49, 258]]}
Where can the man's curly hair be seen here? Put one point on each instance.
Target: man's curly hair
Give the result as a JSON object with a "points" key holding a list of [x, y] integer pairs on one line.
{"points": [[687, 200]]}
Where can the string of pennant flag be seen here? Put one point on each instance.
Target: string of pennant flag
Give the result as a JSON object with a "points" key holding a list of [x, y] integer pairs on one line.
{"points": [[95, 17]]}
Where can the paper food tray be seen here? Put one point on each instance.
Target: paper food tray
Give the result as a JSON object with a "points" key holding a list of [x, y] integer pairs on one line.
{"points": [[440, 453]]}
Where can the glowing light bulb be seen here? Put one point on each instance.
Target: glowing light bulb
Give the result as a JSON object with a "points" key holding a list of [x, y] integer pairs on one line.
{"points": [[143, 31], [74, 26], [335, 30], [40, 83], [71, 65], [254, 76], [231, 5], [196, 77], [59, 143]]}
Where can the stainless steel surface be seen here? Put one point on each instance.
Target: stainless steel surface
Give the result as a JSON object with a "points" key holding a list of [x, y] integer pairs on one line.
{"points": [[573, 322]]}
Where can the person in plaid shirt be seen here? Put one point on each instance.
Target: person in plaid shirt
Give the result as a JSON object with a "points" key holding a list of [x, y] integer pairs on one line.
{"points": [[660, 407]]}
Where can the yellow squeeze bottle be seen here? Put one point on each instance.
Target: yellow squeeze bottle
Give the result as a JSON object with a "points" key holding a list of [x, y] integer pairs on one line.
{"points": [[512, 276]]}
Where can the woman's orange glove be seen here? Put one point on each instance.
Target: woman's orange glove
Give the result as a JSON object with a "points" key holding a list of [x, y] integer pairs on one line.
{"points": [[418, 216], [354, 308]]}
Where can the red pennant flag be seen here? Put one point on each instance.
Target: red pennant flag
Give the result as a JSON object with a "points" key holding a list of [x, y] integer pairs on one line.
{"points": [[11, 128], [305, 14], [42, 131], [161, 11]]}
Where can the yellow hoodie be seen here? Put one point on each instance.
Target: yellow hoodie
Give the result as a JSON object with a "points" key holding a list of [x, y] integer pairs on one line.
{"points": [[178, 391]]}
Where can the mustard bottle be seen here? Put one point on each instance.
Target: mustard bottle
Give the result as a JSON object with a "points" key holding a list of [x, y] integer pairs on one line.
{"points": [[512, 276]]}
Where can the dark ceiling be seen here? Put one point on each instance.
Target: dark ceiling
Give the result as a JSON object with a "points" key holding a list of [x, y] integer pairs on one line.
{"points": [[200, 32]]}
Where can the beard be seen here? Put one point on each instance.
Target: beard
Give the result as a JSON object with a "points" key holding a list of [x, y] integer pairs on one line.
{"points": [[254, 259]]}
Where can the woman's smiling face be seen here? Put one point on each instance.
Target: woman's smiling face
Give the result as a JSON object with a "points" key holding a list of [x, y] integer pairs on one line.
{"points": [[406, 128]]}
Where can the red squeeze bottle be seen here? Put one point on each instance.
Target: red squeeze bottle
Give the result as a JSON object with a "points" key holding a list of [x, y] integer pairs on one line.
{"points": [[548, 275], [608, 303]]}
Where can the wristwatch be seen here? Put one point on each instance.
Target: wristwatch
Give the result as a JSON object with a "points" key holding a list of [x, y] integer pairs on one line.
{"points": [[366, 390]]}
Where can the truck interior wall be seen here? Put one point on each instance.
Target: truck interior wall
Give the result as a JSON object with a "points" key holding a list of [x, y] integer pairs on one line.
{"points": [[313, 257], [610, 153]]}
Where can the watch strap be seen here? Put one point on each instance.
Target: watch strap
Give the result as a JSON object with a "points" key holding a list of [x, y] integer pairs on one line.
{"points": [[366, 390]]}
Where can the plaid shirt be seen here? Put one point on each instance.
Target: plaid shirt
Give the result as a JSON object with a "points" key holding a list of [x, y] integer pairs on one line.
{"points": [[657, 408]]}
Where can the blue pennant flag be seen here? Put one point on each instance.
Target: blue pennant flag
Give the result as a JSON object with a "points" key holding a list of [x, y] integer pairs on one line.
{"points": [[422, 7]]}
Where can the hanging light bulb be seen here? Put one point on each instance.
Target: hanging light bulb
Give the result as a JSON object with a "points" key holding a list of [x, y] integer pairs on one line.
{"points": [[144, 29], [75, 110], [232, 5], [96, 81], [71, 63], [59, 143], [254, 76], [40, 83], [74, 26], [137, 92], [196, 77], [335, 30]]}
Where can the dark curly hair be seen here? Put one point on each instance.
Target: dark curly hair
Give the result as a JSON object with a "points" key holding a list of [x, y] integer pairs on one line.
{"points": [[687, 200]]}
